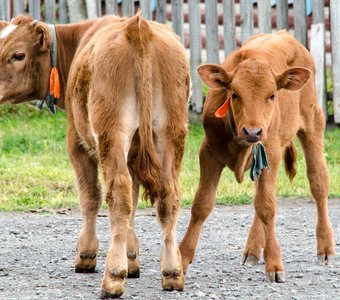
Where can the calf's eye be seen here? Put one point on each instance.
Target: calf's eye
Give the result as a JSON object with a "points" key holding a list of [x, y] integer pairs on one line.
{"points": [[234, 96], [272, 97], [19, 56]]}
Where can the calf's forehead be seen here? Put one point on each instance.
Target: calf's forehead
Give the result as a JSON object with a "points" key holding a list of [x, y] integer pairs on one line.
{"points": [[254, 79]]}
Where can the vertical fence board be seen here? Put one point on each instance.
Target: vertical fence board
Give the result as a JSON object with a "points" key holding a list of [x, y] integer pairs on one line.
{"points": [[195, 54], [4, 10], [317, 49], [318, 11], [145, 7], [335, 25], [177, 17], [50, 11], [300, 21], [34, 9], [111, 7], [211, 24], [161, 11], [91, 9], [282, 14], [63, 12], [247, 23], [264, 16], [99, 8], [18, 7], [229, 26], [128, 8], [76, 10]]}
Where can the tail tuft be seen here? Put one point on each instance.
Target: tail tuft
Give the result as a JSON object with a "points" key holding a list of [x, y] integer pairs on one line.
{"points": [[290, 157]]}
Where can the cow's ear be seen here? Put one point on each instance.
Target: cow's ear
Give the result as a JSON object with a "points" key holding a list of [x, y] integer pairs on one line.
{"points": [[293, 79], [41, 32], [3, 24], [214, 76]]}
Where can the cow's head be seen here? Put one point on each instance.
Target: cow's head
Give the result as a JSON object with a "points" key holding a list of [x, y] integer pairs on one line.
{"points": [[24, 60], [252, 87]]}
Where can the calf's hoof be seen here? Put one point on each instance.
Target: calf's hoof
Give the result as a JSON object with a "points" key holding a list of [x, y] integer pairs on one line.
{"points": [[276, 276], [133, 265], [173, 280], [113, 284], [85, 262], [326, 260], [249, 260]]}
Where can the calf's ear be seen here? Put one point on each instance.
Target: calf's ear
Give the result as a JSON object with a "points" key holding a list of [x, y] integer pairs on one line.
{"points": [[214, 76], [3, 24], [41, 32], [293, 78]]}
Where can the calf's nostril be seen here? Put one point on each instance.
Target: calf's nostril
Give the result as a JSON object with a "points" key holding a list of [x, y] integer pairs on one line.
{"points": [[246, 131], [258, 132]]}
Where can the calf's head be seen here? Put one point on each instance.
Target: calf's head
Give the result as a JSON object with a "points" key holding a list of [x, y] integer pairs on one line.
{"points": [[24, 60], [252, 91]]}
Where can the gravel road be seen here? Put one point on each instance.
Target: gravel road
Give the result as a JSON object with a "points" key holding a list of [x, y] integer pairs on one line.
{"points": [[37, 252]]}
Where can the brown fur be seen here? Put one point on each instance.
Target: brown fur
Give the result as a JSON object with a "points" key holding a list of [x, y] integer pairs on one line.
{"points": [[270, 81], [125, 86]]}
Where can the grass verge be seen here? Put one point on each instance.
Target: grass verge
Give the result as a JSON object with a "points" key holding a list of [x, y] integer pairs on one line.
{"points": [[35, 171]]}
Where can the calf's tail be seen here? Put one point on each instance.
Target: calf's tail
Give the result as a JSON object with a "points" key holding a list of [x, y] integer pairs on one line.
{"points": [[290, 157], [139, 35]]}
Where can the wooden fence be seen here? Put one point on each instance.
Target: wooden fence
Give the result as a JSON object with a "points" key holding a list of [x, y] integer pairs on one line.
{"points": [[211, 29]]}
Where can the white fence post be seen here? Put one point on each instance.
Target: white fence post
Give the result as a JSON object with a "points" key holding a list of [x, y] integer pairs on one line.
{"points": [[177, 18], [18, 7], [317, 49], [282, 14], [264, 16], [111, 7], [50, 11], [211, 25], [247, 20], [300, 21], [229, 26], [195, 54], [161, 11], [335, 25]]}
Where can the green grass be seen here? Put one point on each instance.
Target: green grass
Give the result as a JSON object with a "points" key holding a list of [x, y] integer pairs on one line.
{"points": [[35, 171]]}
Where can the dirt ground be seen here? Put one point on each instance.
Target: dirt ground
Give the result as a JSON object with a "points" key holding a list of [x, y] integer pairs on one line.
{"points": [[37, 252]]}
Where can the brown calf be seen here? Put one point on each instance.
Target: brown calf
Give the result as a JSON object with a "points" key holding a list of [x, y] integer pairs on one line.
{"points": [[126, 102], [269, 84]]}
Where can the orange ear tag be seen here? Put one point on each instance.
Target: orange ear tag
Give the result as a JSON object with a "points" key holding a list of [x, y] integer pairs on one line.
{"points": [[55, 83], [223, 109]]}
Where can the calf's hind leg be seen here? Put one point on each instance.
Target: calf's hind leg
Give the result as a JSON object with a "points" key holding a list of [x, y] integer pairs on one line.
{"points": [[167, 212], [319, 184], [132, 247], [118, 183], [85, 167]]}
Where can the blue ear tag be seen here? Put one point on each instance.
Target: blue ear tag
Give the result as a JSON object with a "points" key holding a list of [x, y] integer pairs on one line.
{"points": [[260, 161]]}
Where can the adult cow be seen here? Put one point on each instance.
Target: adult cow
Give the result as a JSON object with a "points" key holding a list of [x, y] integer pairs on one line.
{"points": [[264, 95], [124, 85]]}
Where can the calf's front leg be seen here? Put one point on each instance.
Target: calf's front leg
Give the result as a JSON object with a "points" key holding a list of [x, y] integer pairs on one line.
{"points": [[265, 207]]}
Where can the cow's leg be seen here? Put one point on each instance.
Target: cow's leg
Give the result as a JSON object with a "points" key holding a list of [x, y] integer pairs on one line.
{"points": [[319, 184], [265, 207], [85, 167], [210, 172], [255, 243], [132, 240], [167, 206], [118, 183]]}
